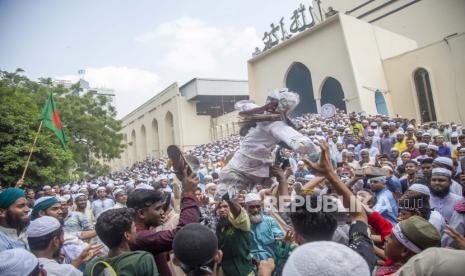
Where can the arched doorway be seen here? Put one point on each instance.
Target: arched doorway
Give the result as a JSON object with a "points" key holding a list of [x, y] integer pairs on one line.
{"points": [[299, 80], [424, 95], [125, 156], [332, 93], [380, 102], [133, 148], [169, 129], [143, 143], [155, 139]]}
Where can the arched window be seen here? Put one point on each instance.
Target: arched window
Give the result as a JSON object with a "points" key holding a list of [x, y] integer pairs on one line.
{"points": [[380, 102], [143, 142], [299, 80], [155, 139], [169, 129], [133, 147], [424, 95], [332, 93]]}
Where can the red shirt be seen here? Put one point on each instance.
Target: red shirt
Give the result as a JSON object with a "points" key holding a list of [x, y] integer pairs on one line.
{"points": [[160, 243]]}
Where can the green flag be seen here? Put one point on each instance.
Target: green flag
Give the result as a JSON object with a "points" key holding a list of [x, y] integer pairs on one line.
{"points": [[50, 119]]}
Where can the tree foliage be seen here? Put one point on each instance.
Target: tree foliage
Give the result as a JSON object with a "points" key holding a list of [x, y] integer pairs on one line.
{"points": [[87, 119]]}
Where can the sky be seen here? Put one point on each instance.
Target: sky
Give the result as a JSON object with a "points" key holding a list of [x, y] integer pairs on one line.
{"points": [[136, 47]]}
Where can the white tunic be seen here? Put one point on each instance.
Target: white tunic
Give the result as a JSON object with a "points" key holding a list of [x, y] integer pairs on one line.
{"points": [[257, 150], [445, 206], [55, 269]]}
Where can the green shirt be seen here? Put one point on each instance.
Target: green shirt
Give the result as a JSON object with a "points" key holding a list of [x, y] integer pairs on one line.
{"points": [[135, 263], [235, 243]]}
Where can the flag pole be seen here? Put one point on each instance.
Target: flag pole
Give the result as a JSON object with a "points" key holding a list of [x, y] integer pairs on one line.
{"points": [[32, 148]]}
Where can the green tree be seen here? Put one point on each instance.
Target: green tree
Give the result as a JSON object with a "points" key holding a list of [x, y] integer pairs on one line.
{"points": [[88, 121]]}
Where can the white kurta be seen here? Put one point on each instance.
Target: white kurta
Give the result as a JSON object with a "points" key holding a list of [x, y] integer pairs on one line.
{"points": [[257, 150], [445, 206], [55, 269]]}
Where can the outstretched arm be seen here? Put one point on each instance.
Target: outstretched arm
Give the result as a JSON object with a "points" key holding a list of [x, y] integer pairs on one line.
{"points": [[325, 168]]}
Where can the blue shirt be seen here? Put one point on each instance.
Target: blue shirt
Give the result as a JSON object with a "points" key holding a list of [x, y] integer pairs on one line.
{"points": [[386, 206], [444, 151], [98, 206], [301, 173], [263, 238], [394, 185], [77, 222]]}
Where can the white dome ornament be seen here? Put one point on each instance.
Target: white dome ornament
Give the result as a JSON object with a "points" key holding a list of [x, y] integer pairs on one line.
{"points": [[328, 110]]}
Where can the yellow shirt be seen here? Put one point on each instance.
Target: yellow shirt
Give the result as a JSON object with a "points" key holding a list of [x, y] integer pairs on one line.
{"points": [[401, 146]]}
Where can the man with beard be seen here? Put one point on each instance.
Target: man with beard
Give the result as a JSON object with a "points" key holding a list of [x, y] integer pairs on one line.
{"points": [[442, 200], [13, 219], [447, 163], [265, 230], [81, 200], [234, 238], [102, 203], [74, 249], [45, 237]]}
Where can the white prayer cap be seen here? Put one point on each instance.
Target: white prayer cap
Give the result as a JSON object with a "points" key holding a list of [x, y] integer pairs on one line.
{"points": [[210, 185], [110, 185], [144, 186], [46, 187], [405, 153], [42, 226], [300, 162], [252, 197], [118, 192], [423, 189], [444, 162], [327, 258], [101, 189], [373, 124], [65, 198], [76, 196], [441, 172], [17, 261], [394, 149], [433, 147], [400, 132], [422, 145], [287, 100], [93, 186], [410, 127]]}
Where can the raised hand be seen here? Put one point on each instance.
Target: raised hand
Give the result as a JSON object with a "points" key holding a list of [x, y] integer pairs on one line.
{"points": [[458, 238], [324, 165], [266, 267], [277, 172], [189, 183]]}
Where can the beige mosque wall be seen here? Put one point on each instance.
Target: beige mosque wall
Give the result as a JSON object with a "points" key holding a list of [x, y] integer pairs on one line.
{"points": [[445, 63], [321, 49]]}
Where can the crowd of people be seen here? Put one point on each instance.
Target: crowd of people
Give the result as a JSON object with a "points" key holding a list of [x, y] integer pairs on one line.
{"points": [[383, 196]]}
